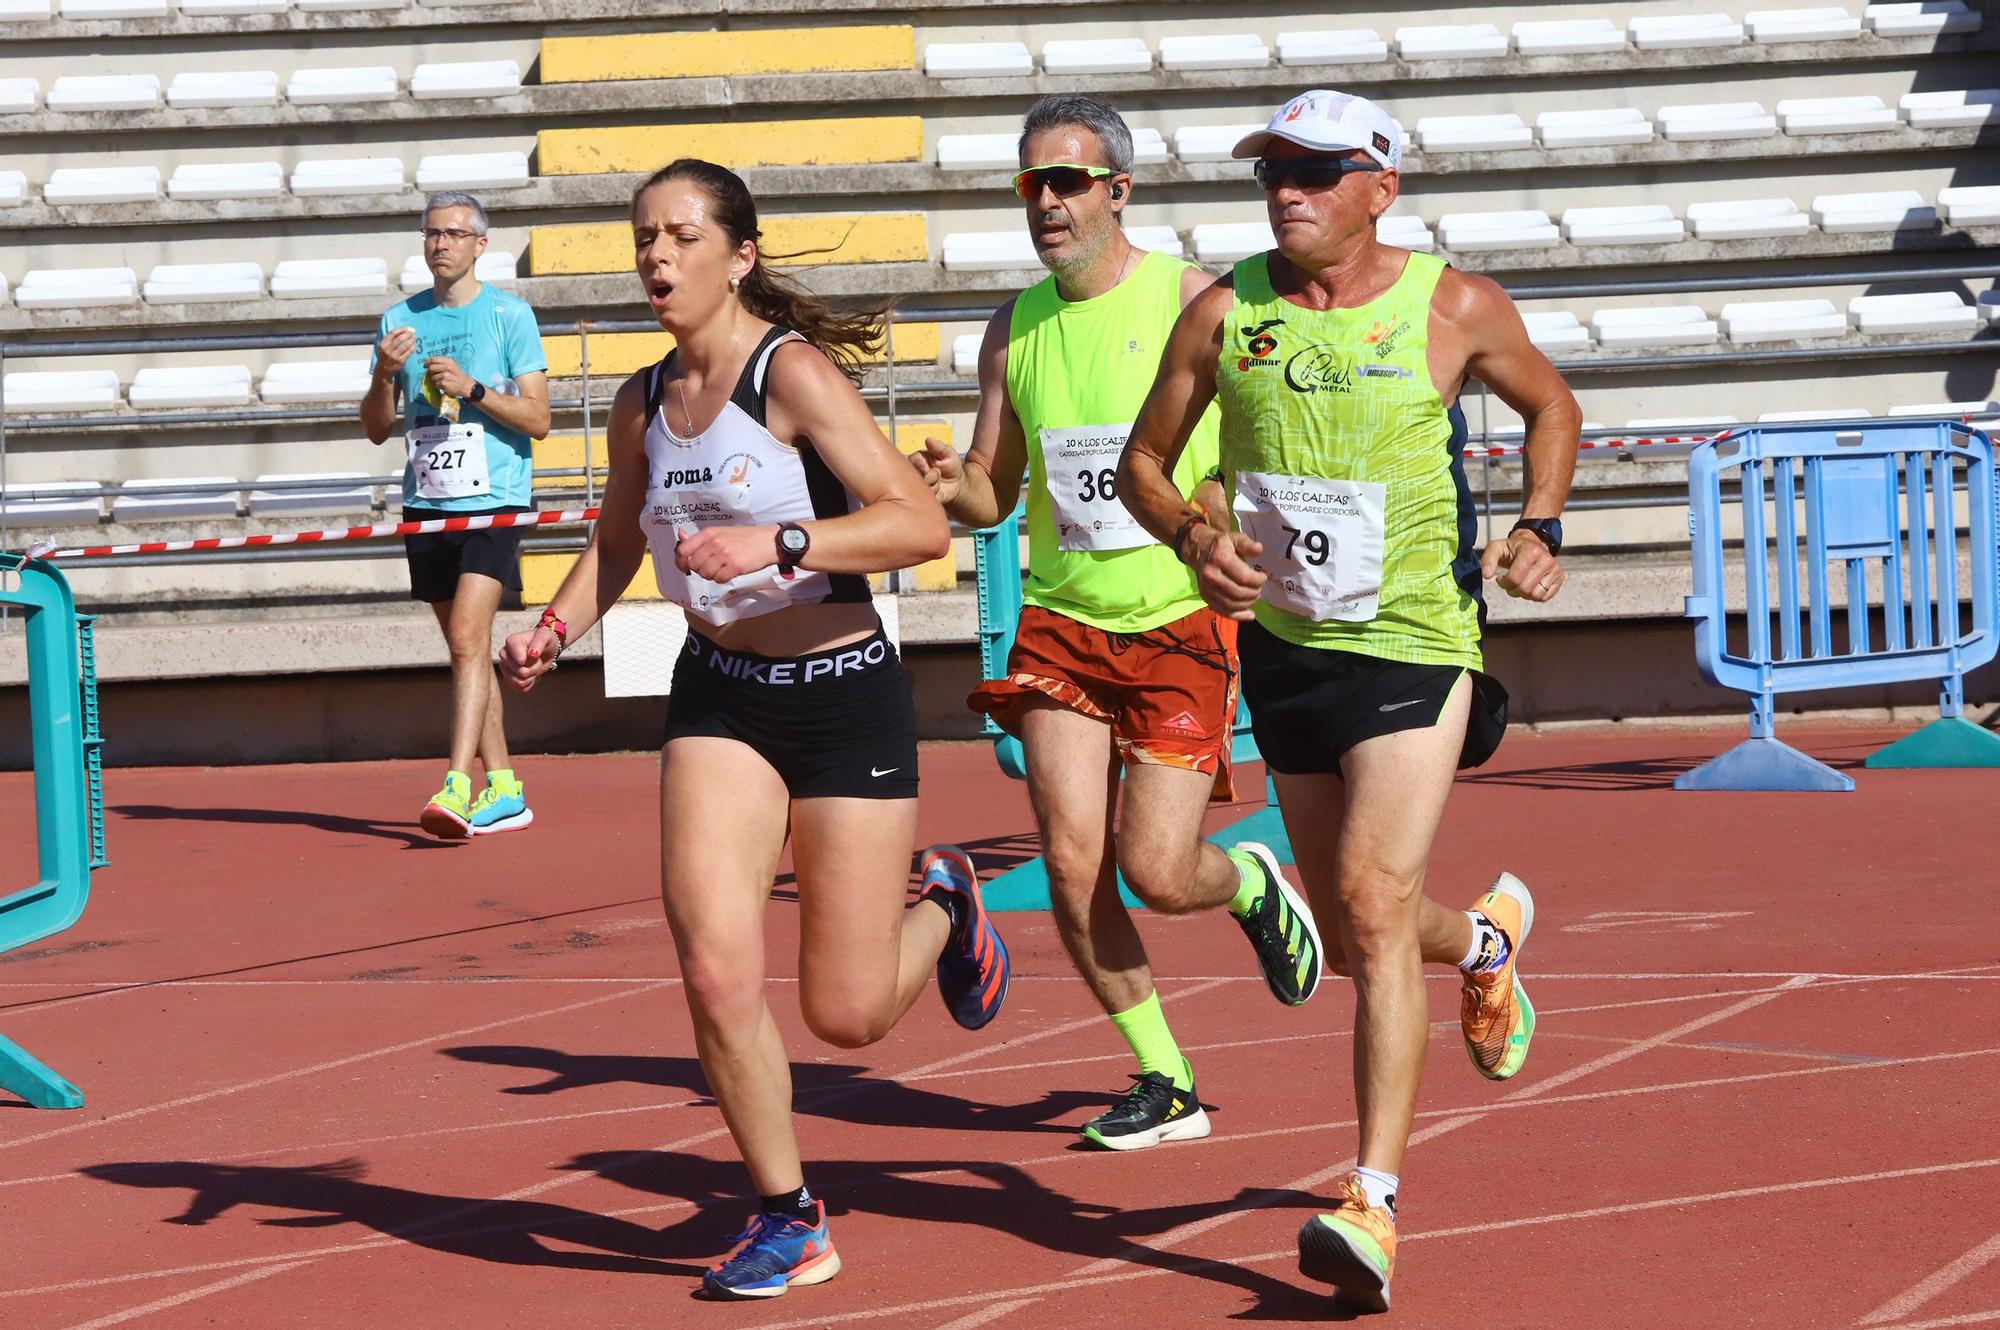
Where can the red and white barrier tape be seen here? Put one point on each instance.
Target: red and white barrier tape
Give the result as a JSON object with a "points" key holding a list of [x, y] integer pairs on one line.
{"points": [[1587, 445], [479, 523]]}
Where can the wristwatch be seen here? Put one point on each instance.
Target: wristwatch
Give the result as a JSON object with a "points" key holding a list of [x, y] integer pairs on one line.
{"points": [[1548, 530], [478, 391], [793, 542]]}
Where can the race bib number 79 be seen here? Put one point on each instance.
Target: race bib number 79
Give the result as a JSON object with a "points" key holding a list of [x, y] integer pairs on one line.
{"points": [[1322, 542]]}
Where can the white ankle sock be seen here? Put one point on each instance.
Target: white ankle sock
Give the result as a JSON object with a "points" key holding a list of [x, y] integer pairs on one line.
{"points": [[1380, 1188], [1489, 945]]}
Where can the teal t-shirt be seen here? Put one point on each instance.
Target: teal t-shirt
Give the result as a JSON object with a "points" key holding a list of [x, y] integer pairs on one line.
{"points": [[494, 340]]}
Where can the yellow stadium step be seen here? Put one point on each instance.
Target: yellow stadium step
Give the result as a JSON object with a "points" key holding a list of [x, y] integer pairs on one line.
{"points": [[542, 575], [615, 355], [672, 55], [939, 574], [802, 241], [736, 144], [564, 452]]}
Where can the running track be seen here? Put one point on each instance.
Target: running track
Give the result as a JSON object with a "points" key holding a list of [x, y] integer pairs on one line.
{"points": [[341, 1076]]}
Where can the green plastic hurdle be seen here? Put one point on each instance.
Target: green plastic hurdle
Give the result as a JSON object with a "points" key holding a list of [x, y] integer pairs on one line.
{"points": [[69, 791]]}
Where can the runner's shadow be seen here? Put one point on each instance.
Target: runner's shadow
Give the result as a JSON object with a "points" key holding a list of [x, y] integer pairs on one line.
{"points": [[1616, 777], [333, 1195], [835, 1091], [327, 822]]}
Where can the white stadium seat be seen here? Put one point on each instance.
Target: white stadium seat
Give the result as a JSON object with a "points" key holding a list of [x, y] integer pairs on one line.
{"points": [[1890, 210], [322, 6], [69, 185], [1653, 325], [1473, 133], [13, 190], [495, 266], [1520, 229], [1817, 413], [466, 78], [1920, 312], [59, 503], [1226, 242], [19, 96], [362, 83], [1836, 115], [1747, 219], [255, 87], [348, 175], [1576, 36], [1681, 31], [1716, 120], [989, 251], [965, 353], [1160, 239], [1148, 148], [475, 170], [960, 60], [1590, 129], [203, 283], [1971, 205], [1342, 46], [1680, 424], [1405, 233], [1098, 55], [76, 288], [978, 152], [1745, 321], [1224, 50], [306, 279], [1209, 143], [1925, 18], [1450, 41], [227, 180], [336, 493], [60, 390], [104, 92], [171, 506], [1556, 330], [1819, 24], [195, 385], [1643, 224], [1989, 307], [197, 8], [103, 9], [315, 381], [26, 11], [1947, 410], [1947, 110]]}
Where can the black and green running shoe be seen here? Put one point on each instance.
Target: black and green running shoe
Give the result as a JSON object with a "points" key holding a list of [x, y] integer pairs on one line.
{"points": [[1153, 1110], [1280, 928]]}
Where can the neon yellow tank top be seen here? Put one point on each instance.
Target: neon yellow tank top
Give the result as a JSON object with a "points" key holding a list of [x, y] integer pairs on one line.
{"points": [[1342, 459], [1077, 373]]}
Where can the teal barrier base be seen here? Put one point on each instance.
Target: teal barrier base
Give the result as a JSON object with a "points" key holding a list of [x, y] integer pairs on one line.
{"points": [[1948, 741], [1763, 764], [22, 1074]]}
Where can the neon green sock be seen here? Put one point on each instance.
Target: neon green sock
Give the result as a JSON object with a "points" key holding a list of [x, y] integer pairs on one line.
{"points": [[1250, 884], [1145, 1028], [503, 780]]}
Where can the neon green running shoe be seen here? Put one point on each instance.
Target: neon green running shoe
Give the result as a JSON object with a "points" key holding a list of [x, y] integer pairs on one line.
{"points": [[448, 815], [501, 806], [1280, 927], [1494, 1011], [1353, 1249]]}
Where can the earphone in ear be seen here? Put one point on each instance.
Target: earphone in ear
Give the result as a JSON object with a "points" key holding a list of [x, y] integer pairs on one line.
{"points": [[1118, 191]]}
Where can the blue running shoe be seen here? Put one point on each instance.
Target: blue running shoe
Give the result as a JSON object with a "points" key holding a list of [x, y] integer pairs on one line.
{"points": [[501, 806], [777, 1252], [972, 970]]}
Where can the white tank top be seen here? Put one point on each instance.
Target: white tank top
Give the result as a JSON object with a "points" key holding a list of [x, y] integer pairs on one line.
{"points": [[735, 473]]}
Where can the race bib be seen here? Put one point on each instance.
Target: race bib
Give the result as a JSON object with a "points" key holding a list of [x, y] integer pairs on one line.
{"points": [[1322, 542], [449, 461], [681, 503], [1082, 469]]}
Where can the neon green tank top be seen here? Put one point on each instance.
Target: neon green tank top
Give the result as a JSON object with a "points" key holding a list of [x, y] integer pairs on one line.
{"points": [[1077, 373], [1342, 460]]}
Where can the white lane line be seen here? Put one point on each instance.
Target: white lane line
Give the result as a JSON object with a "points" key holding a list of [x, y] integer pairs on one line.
{"points": [[990, 1315], [298, 1072], [1965, 1318], [1900, 1306], [189, 1295]]}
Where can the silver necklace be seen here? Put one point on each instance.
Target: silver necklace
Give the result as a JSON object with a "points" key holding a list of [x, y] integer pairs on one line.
{"points": [[680, 384]]}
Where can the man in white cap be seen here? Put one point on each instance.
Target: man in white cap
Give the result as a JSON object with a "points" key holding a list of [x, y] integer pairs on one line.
{"points": [[1337, 361]]}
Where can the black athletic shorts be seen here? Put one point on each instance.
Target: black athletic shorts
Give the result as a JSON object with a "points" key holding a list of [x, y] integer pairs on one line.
{"points": [[1309, 705], [437, 560], [833, 724]]}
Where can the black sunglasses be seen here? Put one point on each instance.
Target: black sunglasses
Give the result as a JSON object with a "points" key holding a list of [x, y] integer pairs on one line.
{"points": [[1307, 172], [1065, 179]]}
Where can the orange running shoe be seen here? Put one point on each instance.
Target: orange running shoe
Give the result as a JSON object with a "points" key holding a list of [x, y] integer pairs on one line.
{"points": [[1494, 1011], [1353, 1249]]}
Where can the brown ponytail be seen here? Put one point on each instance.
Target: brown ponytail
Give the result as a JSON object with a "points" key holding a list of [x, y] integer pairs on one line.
{"points": [[848, 337]]}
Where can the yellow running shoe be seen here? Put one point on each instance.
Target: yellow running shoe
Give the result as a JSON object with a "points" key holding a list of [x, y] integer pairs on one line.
{"points": [[1494, 1011], [448, 815], [1353, 1249]]}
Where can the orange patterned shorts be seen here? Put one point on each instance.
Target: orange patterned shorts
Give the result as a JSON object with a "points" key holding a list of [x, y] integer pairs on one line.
{"points": [[1169, 693]]}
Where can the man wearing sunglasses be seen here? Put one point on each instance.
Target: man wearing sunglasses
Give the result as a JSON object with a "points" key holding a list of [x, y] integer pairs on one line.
{"points": [[1337, 362], [1116, 661], [467, 360]]}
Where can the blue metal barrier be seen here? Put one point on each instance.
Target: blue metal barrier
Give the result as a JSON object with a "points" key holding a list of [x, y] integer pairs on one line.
{"points": [[69, 793], [997, 560], [1878, 501]]}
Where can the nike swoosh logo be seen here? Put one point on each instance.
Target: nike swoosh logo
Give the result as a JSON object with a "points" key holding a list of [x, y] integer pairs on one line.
{"points": [[1398, 706], [883, 772]]}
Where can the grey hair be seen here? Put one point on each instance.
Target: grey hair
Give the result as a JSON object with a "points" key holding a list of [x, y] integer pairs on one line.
{"points": [[452, 198], [1100, 118]]}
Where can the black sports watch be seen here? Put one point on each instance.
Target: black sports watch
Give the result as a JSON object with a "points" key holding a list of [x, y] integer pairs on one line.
{"points": [[1548, 530], [793, 542], [478, 391]]}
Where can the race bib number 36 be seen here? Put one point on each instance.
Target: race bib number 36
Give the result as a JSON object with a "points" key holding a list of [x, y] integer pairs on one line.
{"points": [[449, 461], [1322, 542], [1082, 466]]}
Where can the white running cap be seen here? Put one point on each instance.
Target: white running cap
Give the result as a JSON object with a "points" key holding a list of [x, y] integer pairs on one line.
{"points": [[1331, 121]]}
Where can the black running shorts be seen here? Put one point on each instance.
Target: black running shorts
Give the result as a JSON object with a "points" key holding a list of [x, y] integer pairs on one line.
{"points": [[437, 560], [1309, 705], [834, 724]]}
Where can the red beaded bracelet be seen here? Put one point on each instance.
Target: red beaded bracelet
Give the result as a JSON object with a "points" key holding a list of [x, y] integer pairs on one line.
{"points": [[556, 626]]}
